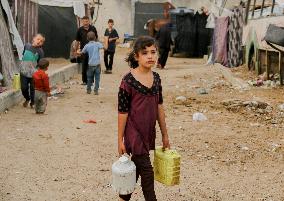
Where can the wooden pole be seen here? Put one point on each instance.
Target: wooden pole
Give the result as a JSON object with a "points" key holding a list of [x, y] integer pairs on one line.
{"points": [[262, 5], [272, 8], [267, 61], [247, 11], [252, 15], [281, 66]]}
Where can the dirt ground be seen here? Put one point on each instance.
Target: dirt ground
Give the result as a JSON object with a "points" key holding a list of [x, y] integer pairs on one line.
{"points": [[234, 155]]}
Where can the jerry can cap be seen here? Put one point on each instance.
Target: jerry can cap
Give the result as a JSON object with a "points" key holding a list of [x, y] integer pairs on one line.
{"points": [[123, 159]]}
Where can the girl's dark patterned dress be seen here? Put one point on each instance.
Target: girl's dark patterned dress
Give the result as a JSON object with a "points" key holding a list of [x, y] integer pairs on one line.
{"points": [[141, 104]]}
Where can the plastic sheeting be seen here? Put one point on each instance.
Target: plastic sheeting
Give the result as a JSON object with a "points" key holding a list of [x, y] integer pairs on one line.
{"points": [[60, 3], [203, 35], [17, 41], [185, 39], [79, 9], [59, 25], [193, 38], [78, 5]]}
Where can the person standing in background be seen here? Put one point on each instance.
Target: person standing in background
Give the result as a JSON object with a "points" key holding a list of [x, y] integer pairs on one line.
{"points": [[165, 41], [81, 38], [112, 35]]}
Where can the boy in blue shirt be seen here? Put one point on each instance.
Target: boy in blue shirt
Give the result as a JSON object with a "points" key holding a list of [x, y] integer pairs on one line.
{"points": [[94, 66]]}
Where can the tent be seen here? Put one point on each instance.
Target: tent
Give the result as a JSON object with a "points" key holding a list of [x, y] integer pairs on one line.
{"points": [[7, 61], [55, 19]]}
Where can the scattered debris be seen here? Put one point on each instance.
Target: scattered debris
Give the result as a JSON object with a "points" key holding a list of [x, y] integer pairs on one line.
{"points": [[255, 124], [181, 98], [281, 107], [244, 148], [275, 147], [57, 91], [93, 121], [2, 89], [104, 170], [199, 117], [202, 91], [258, 106], [52, 98], [74, 82], [261, 80]]}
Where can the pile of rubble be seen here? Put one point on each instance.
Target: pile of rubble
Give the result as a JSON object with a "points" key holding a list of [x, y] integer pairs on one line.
{"points": [[262, 80], [260, 109], [257, 106]]}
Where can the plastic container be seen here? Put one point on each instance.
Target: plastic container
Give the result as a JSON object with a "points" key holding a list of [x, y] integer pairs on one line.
{"points": [[16, 82], [123, 176], [167, 166]]}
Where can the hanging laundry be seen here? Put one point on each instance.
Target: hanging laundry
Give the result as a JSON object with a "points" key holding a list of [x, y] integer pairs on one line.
{"points": [[220, 40], [203, 37], [211, 21], [235, 37], [186, 29]]}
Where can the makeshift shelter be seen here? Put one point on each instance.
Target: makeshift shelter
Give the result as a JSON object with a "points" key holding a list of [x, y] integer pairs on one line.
{"points": [[189, 32], [7, 61], [55, 19]]}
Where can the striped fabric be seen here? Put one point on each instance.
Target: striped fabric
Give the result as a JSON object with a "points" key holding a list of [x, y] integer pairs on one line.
{"points": [[235, 38]]}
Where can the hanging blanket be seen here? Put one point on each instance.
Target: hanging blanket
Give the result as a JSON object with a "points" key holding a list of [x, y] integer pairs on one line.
{"points": [[220, 40], [235, 38]]}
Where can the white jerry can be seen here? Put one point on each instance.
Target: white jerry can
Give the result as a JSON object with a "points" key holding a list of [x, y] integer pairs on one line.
{"points": [[123, 176]]}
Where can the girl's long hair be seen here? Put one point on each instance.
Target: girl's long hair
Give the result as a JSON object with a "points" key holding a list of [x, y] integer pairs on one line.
{"points": [[140, 44]]}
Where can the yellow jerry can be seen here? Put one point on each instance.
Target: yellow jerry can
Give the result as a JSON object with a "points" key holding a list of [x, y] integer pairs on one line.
{"points": [[167, 166], [16, 82]]}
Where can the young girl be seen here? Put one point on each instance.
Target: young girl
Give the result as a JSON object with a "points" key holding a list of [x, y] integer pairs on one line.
{"points": [[140, 105]]}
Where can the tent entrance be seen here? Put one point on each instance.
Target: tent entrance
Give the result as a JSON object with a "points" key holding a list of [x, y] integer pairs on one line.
{"points": [[59, 25], [144, 12]]}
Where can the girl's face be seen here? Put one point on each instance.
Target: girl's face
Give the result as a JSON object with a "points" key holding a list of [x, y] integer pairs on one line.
{"points": [[110, 25], [147, 58]]}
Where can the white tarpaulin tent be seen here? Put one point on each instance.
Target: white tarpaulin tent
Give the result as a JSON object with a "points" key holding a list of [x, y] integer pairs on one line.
{"points": [[78, 5], [61, 3], [17, 41]]}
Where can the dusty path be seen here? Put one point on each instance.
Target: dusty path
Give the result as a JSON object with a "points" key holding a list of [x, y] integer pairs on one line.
{"points": [[234, 155]]}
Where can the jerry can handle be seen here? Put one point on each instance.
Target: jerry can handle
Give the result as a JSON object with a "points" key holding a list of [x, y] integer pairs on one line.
{"points": [[170, 151]]}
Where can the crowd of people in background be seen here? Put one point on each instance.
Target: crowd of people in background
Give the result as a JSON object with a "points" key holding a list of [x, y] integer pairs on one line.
{"points": [[85, 49]]}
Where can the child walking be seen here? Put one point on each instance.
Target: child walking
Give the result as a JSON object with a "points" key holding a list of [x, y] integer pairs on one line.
{"points": [[140, 105], [41, 84], [31, 56], [94, 66]]}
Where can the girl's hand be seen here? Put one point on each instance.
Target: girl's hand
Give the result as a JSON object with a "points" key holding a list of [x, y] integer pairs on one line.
{"points": [[166, 142], [121, 149]]}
